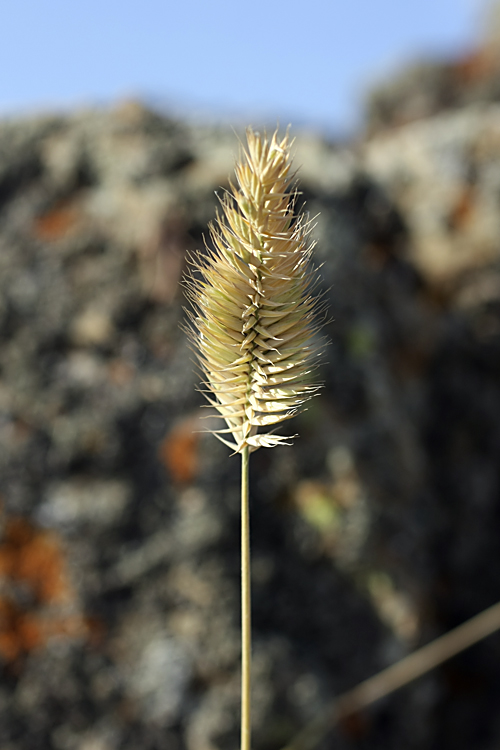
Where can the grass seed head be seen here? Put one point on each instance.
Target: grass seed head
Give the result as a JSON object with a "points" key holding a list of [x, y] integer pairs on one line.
{"points": [[253, 322]]}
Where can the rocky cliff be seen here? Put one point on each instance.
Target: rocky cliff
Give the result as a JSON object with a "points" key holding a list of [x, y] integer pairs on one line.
{"points": [[377, 531]]}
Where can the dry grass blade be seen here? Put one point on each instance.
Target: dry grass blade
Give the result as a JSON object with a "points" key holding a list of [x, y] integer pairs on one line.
{"points": [[396, 676], [254, 321]]}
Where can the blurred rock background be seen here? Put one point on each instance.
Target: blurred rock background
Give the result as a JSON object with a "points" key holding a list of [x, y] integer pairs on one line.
{"points": [[377, 531]]}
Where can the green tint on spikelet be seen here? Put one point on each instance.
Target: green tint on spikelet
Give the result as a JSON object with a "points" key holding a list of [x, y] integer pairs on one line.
{"points": [[254, 320]]}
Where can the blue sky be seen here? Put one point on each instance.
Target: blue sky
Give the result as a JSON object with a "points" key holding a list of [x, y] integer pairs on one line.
{"points": [[306, 62]]}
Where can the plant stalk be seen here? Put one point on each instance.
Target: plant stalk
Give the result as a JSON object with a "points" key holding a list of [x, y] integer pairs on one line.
{"points": [[246, 618]]}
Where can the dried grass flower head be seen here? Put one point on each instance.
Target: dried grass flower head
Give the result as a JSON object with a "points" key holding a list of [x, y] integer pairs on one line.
{"points": [[255, 315]]}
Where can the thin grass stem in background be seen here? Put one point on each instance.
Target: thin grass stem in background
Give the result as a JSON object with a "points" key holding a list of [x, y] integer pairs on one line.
{"points": [[397, 675]]}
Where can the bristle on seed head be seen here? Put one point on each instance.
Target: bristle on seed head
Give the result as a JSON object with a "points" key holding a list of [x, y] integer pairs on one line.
{"points": [[254, 318]]}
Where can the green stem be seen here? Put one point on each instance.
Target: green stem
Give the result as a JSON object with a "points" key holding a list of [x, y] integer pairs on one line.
{"points": [[246, 621]]}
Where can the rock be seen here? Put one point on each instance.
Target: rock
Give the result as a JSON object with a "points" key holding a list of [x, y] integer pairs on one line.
{"points": [[92, 327], [443, 176], [84, 501], [375, 532]]}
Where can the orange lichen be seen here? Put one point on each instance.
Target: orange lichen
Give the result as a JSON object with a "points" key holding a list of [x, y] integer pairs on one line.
{"points": [[19, 631], [34, 557], [476, 66], [463, 210], [179, 451], [56, 223], [32, 561]]}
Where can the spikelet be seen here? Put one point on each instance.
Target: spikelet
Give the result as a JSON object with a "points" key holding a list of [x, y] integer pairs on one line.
{"points": [[255, 315]]}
